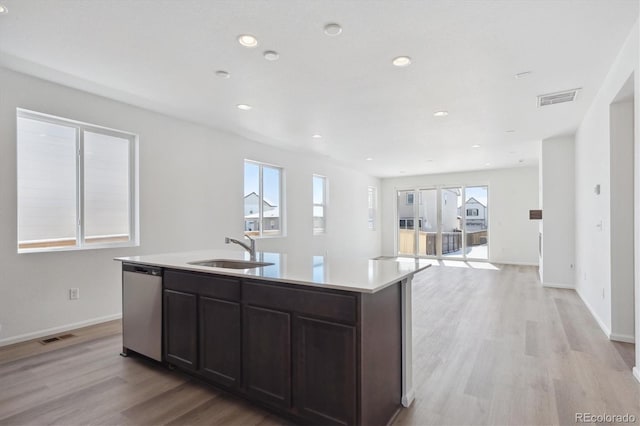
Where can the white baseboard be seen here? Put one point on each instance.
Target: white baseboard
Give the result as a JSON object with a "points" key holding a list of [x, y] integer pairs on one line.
{"points": [[622, 338], [54, 330], [602, 325], [636, 373], [559, 285]]}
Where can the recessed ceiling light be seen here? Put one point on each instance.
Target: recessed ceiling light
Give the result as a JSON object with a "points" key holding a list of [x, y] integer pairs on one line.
{"points": [[475, 146], [317, 136], [522, 75], [429, 161], [247, 40], [3, 9], [509, 131], [222, 74], [440, 113], [401, 61], [487, 164], [244, 107], [369, 159], [332, 29], [271, 55]]}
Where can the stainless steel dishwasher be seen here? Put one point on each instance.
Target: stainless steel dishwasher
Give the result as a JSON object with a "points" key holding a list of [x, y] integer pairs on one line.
{"points": [[142, 310]]}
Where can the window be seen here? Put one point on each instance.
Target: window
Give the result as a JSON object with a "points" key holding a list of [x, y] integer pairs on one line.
{"points": [[410, 198], [372, 202], [262, 199], [472, 212], [76, 185], [319, 204]]}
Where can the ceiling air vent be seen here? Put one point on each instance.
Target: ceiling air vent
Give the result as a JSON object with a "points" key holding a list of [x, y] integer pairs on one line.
{"points": [[558, 97]]}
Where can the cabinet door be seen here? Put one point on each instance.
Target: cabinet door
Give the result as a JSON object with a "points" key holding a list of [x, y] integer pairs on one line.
{"points": [[180, 329], [220, 341], [267, 355], [325, 383]]}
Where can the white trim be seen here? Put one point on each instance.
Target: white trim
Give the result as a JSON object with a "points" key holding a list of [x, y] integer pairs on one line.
{"points": [[636, 373], [408, 394], [559, 285], [602, 325], [408, 398], [49, 331], [507, 262], [626, 338]]}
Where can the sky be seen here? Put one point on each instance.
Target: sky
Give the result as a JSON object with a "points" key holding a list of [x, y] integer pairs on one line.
{"points": [[271, 181], [477, 192]]}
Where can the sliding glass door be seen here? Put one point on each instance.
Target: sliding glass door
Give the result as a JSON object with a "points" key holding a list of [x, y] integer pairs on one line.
{"points": [[445, 222], [406, 223], [476, 214], [452, 242]]}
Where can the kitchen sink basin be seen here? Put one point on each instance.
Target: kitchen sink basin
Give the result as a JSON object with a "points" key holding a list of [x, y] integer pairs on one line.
{"points": [[230, 263]]}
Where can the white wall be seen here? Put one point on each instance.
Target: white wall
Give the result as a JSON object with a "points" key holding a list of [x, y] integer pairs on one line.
{"points": [[558, 211], [622, 253], [191, 197], [594, 249], [513, 238]]}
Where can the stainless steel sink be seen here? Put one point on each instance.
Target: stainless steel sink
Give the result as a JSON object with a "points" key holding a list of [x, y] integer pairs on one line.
{"points": [[230, 263]]}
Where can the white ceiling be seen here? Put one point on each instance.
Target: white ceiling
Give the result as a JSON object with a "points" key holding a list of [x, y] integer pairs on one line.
{"points": [[163, 54]]}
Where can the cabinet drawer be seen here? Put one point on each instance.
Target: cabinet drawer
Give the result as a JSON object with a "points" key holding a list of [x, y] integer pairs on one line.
{"points": [[333, 306], [203, 284]]}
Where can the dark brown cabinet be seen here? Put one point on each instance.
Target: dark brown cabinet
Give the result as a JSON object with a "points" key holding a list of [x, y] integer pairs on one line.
{"points": [[267, 355], [202, 320], [317, 356], [325, 355], [180, 329], [220, 344]]}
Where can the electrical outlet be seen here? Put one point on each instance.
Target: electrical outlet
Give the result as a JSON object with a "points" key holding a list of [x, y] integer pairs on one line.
{"points": [[74, 293]]}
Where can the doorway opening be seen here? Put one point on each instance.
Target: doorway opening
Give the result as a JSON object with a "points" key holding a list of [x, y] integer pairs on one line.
{"points": [[621, 134]]}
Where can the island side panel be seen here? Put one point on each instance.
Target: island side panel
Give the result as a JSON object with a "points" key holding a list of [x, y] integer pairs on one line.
{"points": [[408, 393], [381, 355]]}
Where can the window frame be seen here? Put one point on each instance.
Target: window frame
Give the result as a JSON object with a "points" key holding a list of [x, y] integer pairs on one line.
{"points": [[372, 206], [325, 183], [281, 208], [80, 129]]}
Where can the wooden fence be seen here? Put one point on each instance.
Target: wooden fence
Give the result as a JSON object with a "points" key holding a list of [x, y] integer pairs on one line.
{"points": [[451, 241]]}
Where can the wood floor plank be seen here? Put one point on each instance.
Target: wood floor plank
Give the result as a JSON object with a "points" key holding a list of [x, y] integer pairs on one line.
{"points": [[491, 346]]}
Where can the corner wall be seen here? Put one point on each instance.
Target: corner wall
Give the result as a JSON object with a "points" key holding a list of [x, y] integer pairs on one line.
{"points": [[594, 249], [191, 188], [558, 212], [513, 238]]}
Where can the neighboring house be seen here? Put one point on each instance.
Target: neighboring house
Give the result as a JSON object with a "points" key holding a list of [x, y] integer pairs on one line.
{"points": [[428, 210], [270, 213], [475, 215]]}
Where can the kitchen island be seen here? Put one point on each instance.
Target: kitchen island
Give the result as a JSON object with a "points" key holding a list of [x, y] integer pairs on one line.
{"points": [[315, 339]]}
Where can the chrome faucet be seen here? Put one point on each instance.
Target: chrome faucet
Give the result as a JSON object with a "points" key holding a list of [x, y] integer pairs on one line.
{"points": [[251, 248]]}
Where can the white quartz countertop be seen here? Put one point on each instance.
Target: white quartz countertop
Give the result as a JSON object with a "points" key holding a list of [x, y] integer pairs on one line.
{"points": [[341, 273]]}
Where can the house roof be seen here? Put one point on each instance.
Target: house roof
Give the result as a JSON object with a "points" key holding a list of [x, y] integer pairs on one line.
{"points": [[265, 214], [474, 201], [264, 200]]}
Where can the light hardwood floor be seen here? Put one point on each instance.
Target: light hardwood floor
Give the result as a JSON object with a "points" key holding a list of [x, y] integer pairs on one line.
{"points": [[491, 347]]}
